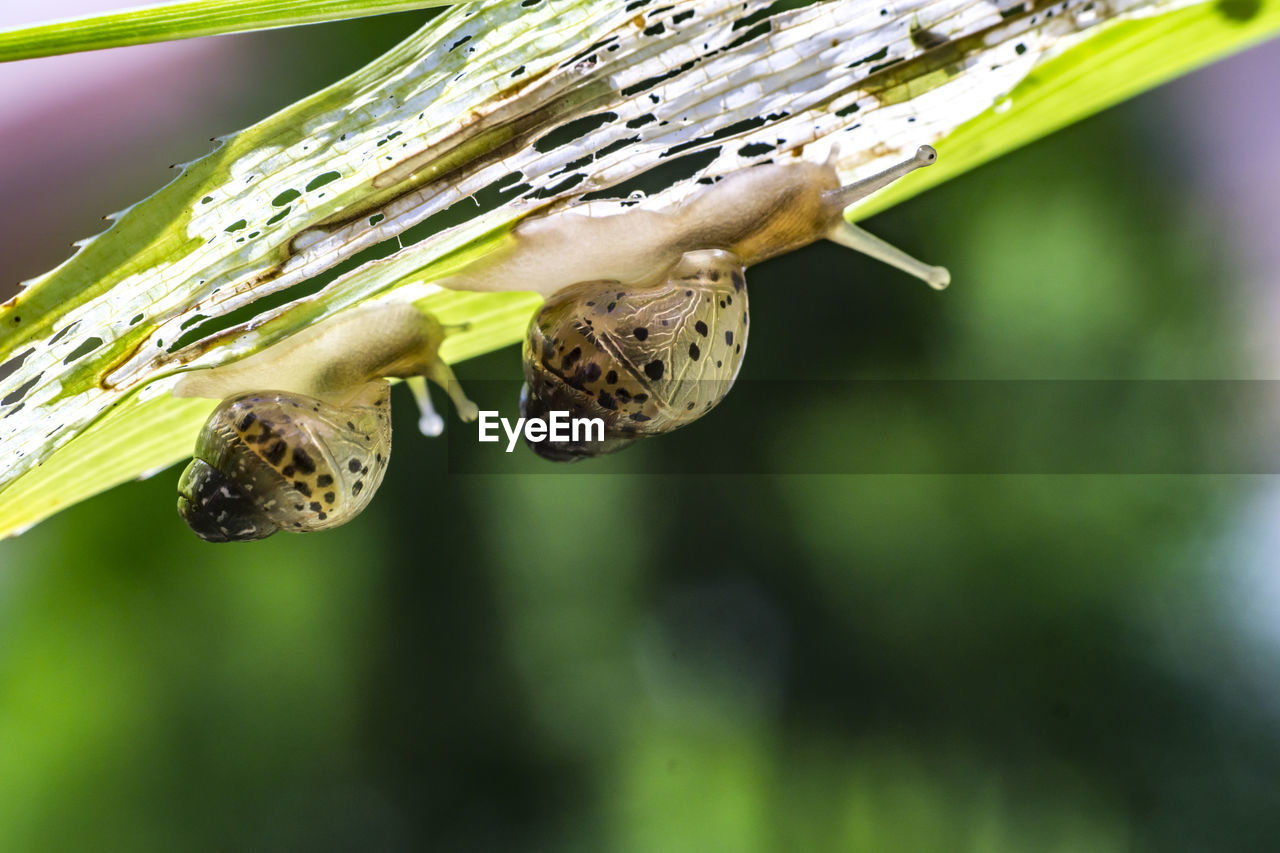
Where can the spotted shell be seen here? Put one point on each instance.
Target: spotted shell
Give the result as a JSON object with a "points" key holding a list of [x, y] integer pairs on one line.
{"points": [[645, 359], [272, 460]]}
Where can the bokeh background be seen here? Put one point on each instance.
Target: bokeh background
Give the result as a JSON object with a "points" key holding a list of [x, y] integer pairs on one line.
{"points": [[731, 662]]}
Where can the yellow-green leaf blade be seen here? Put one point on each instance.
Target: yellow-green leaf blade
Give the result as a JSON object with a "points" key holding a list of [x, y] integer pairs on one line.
{"points": [[172, 21]]}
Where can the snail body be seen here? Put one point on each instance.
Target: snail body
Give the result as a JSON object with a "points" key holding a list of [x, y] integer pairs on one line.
{"points": [[332, 359], [755, 213], [302, 437], [649, 332]]}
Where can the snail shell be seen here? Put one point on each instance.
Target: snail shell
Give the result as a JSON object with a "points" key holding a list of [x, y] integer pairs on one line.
{"points": [[646, 360], [271, 460]]}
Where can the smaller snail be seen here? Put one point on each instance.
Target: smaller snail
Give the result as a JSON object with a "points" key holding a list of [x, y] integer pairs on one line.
{"points": [[302, 437], [650, 334]]}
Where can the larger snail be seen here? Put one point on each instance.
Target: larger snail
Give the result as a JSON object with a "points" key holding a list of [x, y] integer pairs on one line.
{"points": [[650, 332], [302, 437]]}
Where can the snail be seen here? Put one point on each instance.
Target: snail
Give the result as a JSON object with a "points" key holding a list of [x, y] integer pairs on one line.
{"points": [[302, 437], [650, 332]]}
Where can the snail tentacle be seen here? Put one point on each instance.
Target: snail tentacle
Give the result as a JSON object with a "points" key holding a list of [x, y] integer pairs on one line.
{"points": [[852, 237]]}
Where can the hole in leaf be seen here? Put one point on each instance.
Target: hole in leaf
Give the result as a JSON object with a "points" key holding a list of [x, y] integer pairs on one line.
{"points": [[730, 130], [567, 184], [87, 346], [20, 392], [62, 333], [755, 149], [658, 179], [14, 363], [575, 129], [320, 180]]}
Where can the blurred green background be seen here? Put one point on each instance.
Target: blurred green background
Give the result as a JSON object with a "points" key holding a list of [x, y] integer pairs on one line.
{"points": [[709, 663]]}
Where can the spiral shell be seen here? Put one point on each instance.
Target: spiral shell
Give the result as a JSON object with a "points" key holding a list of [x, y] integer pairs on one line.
{"points": [[271, 460], [646, 360]]}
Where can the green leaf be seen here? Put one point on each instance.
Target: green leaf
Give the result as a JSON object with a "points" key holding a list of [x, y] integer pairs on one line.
{"points": [[422, 162], [1119, 62], [170, 21]]}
